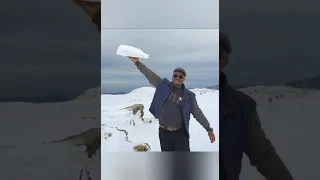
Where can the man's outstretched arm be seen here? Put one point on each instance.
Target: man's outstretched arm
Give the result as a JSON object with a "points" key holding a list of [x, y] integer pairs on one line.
{"points": [[199, 116], [263, 155], [153, 78]]}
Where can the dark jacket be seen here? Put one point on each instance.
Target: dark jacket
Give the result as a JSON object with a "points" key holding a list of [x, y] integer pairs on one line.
{"points": [[96, 19], [163, 89], [241, 132], [162, 92]]}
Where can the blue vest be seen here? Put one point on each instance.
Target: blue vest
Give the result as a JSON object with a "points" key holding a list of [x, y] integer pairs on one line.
{"points": [[163, 90], [235, 111]]}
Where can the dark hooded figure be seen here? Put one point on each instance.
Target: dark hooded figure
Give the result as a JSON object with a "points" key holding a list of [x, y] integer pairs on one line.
{"points": [[241, 131]]}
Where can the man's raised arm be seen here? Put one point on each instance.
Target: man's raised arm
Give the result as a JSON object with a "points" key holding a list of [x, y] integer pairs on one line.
{"points": [[153, 78]]}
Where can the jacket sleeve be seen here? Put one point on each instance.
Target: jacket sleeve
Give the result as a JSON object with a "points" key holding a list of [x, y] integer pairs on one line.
{"points": [[199, 116], [96, 19], [263, 155], [153, 78]]}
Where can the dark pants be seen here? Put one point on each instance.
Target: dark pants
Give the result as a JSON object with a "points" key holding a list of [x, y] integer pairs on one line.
{"points": [[174, 140]]}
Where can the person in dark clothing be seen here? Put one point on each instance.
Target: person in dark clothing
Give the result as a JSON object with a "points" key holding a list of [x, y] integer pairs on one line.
{"points": [[172, 105], [241, 131], [93, 9]]}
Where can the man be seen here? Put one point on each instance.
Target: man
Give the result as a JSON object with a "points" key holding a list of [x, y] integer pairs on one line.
{"points": [[241, 131], [172, 105]]}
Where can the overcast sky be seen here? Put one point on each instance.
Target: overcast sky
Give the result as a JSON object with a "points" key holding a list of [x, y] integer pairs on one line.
{"points": [[192, 49], [273, 42], [46, 50], [160, 14]]}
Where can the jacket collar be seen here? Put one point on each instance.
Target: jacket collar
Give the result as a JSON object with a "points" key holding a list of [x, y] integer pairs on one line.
{"points": [[172, 86], [186, 95]]}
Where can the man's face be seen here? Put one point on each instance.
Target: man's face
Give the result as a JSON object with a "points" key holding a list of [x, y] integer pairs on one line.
{"points": [[223, 57], [178, 78]]}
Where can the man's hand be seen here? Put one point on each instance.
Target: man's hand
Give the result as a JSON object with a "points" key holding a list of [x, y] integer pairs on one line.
{"points": [[211, 136], [134, 59], [91, 8]]}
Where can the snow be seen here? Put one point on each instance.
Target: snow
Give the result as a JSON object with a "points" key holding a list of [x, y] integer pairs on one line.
{"points": [[115, 116], [26, 126], [290, 121], [288, 116], [149, 165]]}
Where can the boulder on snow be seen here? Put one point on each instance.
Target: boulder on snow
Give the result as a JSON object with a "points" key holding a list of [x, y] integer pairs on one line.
{"points": [[142, 147]]}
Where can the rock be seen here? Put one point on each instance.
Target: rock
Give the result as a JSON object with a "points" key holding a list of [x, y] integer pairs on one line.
{"points": [[107, 135], [136, 108], [90, 138], [142, 147]]}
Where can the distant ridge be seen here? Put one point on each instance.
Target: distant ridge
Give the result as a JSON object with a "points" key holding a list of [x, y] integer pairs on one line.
{"points": [[116, 93], [47, 99], [213, 87], [309, 83], [53, 98], [120, 93]]}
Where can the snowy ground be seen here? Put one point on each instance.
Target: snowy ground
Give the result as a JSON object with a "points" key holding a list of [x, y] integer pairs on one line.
{"points": [[25, 126], [288, 116], [291, 122], [115, 117]]}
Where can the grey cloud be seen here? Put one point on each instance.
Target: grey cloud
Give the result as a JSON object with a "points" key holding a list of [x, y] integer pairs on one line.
{"points": [[160, 14], [194, 50], [273, 43], [46, 49]]}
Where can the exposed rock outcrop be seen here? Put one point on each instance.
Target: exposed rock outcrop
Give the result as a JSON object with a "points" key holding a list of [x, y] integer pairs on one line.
{"points": [[142, 147], [90, 138], [136, 108]]}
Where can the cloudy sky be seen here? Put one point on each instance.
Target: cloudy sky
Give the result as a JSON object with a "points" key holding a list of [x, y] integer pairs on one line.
{"points": [[47, 51], [196, 50], [160, 14], [272, 43]]}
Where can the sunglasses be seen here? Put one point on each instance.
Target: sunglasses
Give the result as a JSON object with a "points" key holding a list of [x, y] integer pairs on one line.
{"points": [[178, 76]]}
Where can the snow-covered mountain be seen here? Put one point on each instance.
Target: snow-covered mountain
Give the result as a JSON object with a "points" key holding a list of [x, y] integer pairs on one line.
{"points": [[122, 130], [310, 83]]}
